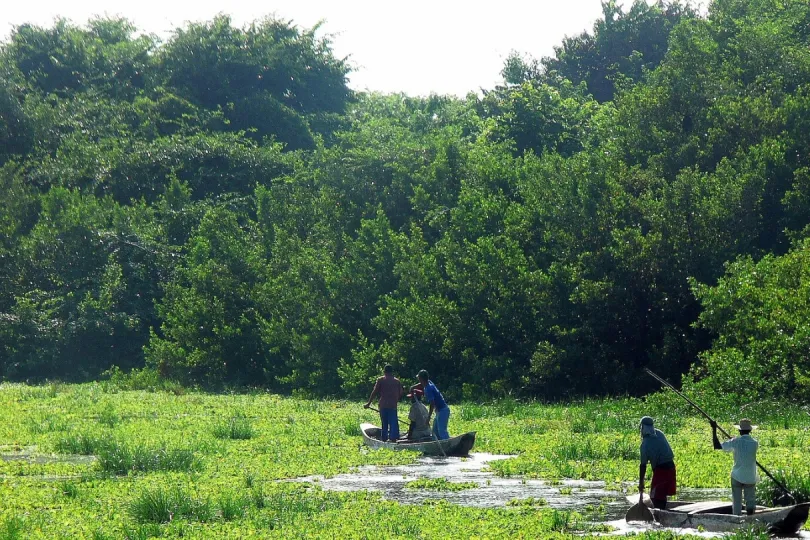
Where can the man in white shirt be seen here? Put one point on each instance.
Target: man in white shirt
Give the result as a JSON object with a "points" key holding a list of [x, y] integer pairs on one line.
{"points": [[744, 473]]}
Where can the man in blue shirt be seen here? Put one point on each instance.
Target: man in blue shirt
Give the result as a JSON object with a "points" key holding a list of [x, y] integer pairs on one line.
{"points": [[656, 451], [437, 403]]}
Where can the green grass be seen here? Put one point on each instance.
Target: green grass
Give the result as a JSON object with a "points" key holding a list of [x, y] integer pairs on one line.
{"points": [[164, 504], [108, 417], [12, 528], [116, 457], [178, 464], [770, 493], [232, 506], [237, 427], [85, 444], [68, 489]]}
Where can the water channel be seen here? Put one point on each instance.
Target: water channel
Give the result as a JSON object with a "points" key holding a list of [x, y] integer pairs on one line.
{"points": [[588, 498]]}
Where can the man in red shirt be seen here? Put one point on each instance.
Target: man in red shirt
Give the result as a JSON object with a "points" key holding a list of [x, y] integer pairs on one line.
{"points": [[390, 391]]}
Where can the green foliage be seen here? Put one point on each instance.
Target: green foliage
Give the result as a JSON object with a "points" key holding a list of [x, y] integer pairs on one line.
{"points": [[235, 491], [68, 489], [118, 457], [221, 210], [162, 505], [12, 528], [237, 427], [232, 507], [759, 312], [623, 47]]}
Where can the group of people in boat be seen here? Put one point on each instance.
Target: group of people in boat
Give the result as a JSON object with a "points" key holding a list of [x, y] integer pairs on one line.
{"points": [[389, 390], [656, 451], [655, 448]]}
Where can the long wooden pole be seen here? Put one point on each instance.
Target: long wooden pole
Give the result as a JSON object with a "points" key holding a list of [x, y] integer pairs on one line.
{"points": [[723, 431]]}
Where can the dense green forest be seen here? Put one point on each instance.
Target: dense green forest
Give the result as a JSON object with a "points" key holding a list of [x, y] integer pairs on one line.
{"points": [[222, 209]]}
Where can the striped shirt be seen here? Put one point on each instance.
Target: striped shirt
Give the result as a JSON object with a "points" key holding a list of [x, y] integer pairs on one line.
{"points": [[744, 448]]}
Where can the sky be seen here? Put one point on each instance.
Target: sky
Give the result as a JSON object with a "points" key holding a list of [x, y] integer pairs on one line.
{"points": [[417, 47]]}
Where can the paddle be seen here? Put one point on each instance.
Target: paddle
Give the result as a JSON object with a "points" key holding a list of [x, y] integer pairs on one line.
{"points": [[723, 431], [639, 511]]}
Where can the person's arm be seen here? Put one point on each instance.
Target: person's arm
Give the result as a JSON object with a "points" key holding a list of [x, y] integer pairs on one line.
{"points": [[642, 470], [373, 393], [715, 440], [642, 473]]}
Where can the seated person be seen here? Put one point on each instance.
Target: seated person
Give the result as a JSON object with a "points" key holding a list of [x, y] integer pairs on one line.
{"points": [[418, 416]]}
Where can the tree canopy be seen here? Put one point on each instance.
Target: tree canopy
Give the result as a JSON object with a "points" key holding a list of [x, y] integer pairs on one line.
{"points": [[222, 208]]}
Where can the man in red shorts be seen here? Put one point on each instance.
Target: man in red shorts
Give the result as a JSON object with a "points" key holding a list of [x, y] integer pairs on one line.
{"points": [[656, 451]]}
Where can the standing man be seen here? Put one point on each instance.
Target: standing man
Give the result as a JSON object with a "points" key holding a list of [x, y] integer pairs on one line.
{"points": [[437, 403], [744, 473], [390, 391], [656, 451]]}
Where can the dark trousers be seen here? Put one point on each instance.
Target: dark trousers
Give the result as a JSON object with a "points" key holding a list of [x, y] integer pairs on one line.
{"points": [[390, 424]]}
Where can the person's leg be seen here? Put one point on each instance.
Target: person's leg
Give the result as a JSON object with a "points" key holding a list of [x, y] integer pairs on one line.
{"points": [[442, 418], [750, 491], [736, 497], [660, 503], [384, 422], [393, 422]]}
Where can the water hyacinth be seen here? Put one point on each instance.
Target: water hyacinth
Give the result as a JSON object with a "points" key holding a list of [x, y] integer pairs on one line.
{"points": [[164, 467]]}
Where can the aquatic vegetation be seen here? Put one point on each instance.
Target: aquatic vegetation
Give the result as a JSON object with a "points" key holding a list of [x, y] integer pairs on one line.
{"points": [[108, 417], [528, 501], [237, 427], [161, 505], [439, 484], [161, 471], [68, 489], [351, 428], [12, 528], [232, 506], [120, 458], [798, 483], [85, 444]]}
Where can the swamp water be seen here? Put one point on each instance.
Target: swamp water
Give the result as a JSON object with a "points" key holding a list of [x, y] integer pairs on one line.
{"points": [[590, 498]]}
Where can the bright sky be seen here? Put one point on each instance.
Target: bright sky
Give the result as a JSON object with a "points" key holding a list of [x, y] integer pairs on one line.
{"points": [[416, 46]]}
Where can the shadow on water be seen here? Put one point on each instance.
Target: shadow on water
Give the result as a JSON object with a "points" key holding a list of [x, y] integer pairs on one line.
{"points": [[587, 497]]}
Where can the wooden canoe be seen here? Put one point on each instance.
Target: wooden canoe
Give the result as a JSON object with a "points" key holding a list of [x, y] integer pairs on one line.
{"points": [[716, 516], [454, 446]]}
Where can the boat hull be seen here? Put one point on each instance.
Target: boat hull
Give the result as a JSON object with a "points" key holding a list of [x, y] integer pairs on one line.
{"points": [[454, 446], [717, 517]]}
